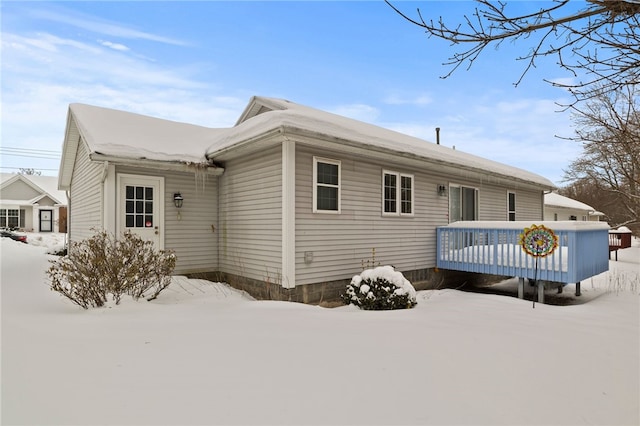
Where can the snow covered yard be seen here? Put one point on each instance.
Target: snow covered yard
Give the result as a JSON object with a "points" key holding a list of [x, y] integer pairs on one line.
{"points": [[203, 353]]}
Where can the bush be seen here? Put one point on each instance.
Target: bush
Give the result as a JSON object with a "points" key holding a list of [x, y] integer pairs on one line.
{"points": [[381, 288], [103, 265]]}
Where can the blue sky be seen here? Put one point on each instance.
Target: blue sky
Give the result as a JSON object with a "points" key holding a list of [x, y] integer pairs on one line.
{"points": [[200, 62]]}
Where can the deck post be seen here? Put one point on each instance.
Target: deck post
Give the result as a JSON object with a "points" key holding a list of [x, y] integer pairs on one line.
{"points": [[521, 288], [540, 291], [578, 289]]}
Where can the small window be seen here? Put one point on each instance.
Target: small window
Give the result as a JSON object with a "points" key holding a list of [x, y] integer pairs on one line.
{"points": [[326, 186], [397, 193], [511, 206]]}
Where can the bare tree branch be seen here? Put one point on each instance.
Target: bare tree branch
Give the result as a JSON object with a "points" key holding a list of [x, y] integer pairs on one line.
{"points": [[599, 44]]}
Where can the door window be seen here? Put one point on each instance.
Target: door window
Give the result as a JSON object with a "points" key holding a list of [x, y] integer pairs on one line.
{"points": [[138, 206]]}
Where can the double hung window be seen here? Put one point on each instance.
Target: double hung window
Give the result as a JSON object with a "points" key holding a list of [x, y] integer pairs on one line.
{"points": [[397, 194], [326, 186]]}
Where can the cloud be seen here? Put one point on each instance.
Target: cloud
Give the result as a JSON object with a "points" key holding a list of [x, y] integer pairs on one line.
{"points": [[43, 73], [114, 46], [101, 26], [519, 132]]}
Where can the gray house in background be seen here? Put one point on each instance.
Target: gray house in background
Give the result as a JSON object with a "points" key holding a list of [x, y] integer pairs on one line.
{"points": [[290, 202], [32, 203]]}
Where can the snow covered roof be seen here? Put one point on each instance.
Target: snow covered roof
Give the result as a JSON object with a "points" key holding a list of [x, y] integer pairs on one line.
{"points": [[46, 185], [264, 114], [124, 135], [556, 200], [128, 135]]}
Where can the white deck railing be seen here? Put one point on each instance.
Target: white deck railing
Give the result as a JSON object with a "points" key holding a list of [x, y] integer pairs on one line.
{"points": [[492, 247]]}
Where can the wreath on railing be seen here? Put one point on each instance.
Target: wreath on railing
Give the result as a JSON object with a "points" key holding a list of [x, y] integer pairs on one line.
{"points": [[538, 241]]}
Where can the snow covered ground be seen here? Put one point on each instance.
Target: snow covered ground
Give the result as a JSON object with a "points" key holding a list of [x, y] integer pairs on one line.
{"points": [[203, 353]]}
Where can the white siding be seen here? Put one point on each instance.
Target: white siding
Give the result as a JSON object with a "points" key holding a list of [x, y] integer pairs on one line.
{"points": [[251, 216], [193, 236], [340, 244], [85, 209]]}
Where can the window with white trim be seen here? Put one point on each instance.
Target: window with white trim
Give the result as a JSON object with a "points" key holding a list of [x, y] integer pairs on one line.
{"points": [[397, 193], [326, 185], [511, 206], [11, 218]]}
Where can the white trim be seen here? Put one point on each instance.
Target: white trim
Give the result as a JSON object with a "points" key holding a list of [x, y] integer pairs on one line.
{"points": [[141, 179], [109, 193], [476, 208], [399, 177], [317, 160], [288, 214]]}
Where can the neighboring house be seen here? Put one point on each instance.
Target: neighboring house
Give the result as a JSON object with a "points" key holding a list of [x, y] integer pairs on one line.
{"points": [[558, 207], [32, 203], [289, 203]]}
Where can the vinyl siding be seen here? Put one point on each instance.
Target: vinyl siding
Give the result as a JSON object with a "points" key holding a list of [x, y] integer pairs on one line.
{"points": [[492, 201], [342, 244], [193, 236], [250, 209], [18, 190], [529, 205], [85, 209]]}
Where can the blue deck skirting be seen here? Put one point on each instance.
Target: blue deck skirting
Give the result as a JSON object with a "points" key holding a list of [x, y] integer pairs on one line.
{"points": [[492, 248]]}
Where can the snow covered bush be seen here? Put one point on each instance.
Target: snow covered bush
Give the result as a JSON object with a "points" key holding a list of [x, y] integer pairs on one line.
{"points": [[103, 266], [380, 288]]}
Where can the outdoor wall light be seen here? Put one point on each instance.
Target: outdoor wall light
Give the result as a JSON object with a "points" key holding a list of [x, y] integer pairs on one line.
{"points": [[442, 190], [178, 200]]}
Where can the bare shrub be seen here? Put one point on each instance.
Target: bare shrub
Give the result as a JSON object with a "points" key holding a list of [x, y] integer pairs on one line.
{"points": [[104, 265]]}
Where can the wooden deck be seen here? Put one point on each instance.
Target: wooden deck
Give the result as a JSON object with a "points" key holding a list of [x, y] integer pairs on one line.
{"points": [[492, 247]]}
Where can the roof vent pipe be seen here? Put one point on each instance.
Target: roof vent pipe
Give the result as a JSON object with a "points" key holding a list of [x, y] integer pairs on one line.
{"points": [[438, 135]]}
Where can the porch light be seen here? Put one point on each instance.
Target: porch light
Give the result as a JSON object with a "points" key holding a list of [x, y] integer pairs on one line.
{"points": [[177, 200], [442, 190]]}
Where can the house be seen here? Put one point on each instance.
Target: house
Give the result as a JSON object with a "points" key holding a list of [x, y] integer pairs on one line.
{"points": [[32, 203], [558, 207], [287, 204]]}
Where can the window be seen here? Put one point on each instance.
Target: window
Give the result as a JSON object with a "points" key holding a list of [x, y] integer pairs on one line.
{"points": [[326, 186], [138, 206], [463, 203], [11, 218], [397, 193], [511, 206]]}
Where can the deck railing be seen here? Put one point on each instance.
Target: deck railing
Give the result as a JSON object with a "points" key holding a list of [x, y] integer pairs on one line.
{"points": [[492, 247]]}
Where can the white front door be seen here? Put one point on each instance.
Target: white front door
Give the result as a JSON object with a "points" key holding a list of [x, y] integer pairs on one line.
{"points": [[141, 206]]}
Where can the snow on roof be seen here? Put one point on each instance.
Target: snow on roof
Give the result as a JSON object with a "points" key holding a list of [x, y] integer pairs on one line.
{"points": [[128, 135], [556, 200], [289, 114]]}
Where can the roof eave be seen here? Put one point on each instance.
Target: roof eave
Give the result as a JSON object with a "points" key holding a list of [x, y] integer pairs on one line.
{"points": [[181, 166]]}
